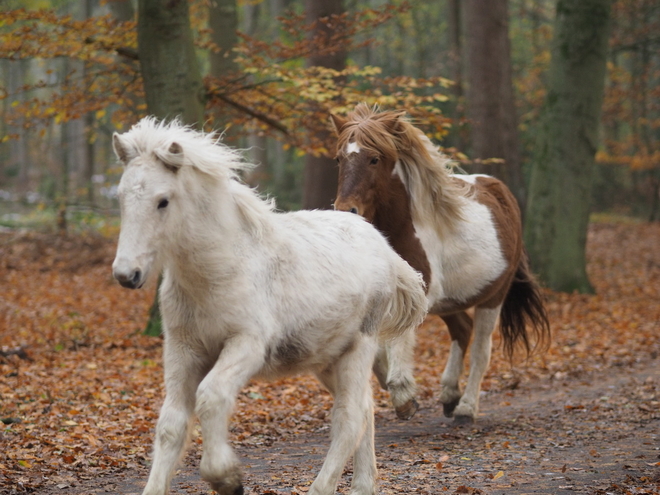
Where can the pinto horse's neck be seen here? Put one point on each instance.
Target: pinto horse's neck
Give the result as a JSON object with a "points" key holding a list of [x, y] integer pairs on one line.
{"points": [[393, 218]]}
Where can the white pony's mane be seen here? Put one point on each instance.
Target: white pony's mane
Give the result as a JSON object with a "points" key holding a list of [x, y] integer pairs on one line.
{"points": [[204, 153]]}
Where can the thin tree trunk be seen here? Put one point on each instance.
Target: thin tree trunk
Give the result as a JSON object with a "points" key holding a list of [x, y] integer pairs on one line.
{"points": [[562, 171], [320, 179], [122, 10], [491, 105], [18, 149], [457, 135], [223, 21]]}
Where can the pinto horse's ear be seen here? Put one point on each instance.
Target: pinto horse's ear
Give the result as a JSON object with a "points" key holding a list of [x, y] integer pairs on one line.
{"points": [[172, 157], [337, 122], [121, 149]]}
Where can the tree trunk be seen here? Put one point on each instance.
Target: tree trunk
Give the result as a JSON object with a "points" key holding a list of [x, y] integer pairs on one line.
{"points": [[122, 10], [457, 135], [223, 21], [560, 185], [491, 106], [172, 79], [320, 176]]}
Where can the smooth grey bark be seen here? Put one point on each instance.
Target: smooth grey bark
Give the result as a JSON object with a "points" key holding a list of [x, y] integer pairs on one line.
{"points": [[490, 99], [320, 175], [562, 170]]}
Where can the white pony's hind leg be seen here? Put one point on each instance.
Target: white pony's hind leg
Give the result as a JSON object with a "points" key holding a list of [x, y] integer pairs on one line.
{"points": [[348, 380], [400, 378], [172, 430], [484, 324], [381, 366], [238, 362]]}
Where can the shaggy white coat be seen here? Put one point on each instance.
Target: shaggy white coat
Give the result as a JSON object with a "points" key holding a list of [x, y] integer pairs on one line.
{"points": [[249, 292]]}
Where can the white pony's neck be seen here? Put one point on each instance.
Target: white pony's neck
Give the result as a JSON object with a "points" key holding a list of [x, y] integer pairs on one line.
{"points": [[224, 217]]}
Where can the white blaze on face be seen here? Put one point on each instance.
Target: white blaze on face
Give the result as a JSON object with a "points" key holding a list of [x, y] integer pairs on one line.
{"points": [[352, 148]]}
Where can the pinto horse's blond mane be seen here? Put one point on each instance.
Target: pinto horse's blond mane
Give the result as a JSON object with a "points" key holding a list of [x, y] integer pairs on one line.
{"points": [[435, 197]]}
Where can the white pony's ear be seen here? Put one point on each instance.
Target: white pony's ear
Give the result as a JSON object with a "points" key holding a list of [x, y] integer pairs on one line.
{"points": [[171, 157], [122, 150], [337, 122]]}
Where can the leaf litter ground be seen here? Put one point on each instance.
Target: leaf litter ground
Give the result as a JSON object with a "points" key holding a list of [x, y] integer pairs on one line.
{"points": [[80, 390]]}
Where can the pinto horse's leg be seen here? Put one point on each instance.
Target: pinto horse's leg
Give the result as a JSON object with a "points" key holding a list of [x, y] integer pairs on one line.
{"points": [[484, 324], [238, 362], [352, 421], [460, 330], [182, 375]]}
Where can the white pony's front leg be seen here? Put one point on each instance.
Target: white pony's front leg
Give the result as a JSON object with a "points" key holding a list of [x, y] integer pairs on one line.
{"points": [[240, 360], [352, 422], [484, 324], [182, 376]]}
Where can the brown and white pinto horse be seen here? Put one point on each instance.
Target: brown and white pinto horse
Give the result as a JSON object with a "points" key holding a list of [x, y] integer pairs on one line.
{"points": [[462, 232]]}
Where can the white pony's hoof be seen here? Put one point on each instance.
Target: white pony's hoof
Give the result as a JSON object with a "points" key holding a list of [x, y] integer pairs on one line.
{"points": [[225, 489], [407, 410], [465, 414]]}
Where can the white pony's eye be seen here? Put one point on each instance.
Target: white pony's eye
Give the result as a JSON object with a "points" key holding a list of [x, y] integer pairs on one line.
{"points": [[163, 204]]}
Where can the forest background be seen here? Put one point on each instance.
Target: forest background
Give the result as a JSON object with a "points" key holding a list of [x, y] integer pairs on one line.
{"points": [[80, 384], [70, 77]]}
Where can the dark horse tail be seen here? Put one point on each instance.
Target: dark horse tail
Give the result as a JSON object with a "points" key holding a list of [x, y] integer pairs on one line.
{"points": [[524, 304]]}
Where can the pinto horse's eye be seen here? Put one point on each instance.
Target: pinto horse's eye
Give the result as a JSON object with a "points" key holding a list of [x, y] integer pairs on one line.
{"points": [[337, 158], [163, 204], [374, 161]]}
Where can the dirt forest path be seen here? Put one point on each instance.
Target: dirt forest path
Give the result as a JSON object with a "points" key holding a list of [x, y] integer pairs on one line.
{"points": [[595, 434], [81, 387]]}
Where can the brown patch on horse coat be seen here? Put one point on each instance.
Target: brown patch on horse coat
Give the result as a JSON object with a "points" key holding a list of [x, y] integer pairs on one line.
{"points": [[394, 219], [504, 209], [460, 328]]}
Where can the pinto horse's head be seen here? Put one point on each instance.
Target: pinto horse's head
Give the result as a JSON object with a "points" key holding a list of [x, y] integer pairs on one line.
{"points": [[366, 153]]}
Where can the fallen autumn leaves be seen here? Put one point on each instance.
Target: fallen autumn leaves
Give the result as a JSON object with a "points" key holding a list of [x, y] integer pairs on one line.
{"points": [[85, 402]]}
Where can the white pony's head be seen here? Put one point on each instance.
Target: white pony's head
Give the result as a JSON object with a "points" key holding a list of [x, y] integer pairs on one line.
{"points": [[147, 190], [162, 164]]}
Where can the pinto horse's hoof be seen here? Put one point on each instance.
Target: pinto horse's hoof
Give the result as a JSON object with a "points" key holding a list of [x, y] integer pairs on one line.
{"points": [[448, 409], [407, 410]]}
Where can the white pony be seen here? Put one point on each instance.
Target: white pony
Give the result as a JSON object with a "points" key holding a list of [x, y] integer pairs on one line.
{"points": [[248, 292]]}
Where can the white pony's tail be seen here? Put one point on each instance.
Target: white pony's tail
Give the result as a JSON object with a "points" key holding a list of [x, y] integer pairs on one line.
{"points": [[409, 305]]}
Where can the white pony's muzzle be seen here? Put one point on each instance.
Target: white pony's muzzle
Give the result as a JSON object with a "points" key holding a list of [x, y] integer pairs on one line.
{"points": [[127, 274]]}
